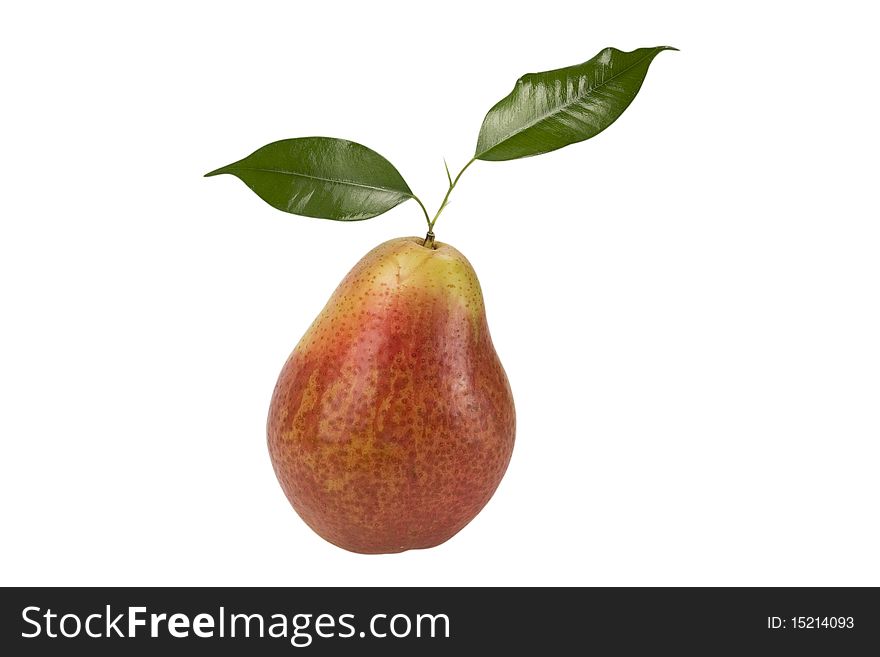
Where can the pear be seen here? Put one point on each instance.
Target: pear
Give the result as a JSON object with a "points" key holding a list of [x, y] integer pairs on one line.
{"points": [[392, 422]]}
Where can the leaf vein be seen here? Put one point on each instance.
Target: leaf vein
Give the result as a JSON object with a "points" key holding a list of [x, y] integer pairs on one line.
{"points": [[338, 181]]}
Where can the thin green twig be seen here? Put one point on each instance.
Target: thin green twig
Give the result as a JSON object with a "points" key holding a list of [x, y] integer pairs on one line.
{"points": [[424, 209], [452, 184]]}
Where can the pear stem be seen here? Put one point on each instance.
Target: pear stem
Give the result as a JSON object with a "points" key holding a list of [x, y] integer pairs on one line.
{"points": [[429, 240], [452, 184]]}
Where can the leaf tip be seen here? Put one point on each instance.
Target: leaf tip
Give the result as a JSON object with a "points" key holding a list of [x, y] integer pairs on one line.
{"points": [[216, 172]]}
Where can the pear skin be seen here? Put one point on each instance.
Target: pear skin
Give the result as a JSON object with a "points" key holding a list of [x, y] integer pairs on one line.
{"points": [[392, 422]]}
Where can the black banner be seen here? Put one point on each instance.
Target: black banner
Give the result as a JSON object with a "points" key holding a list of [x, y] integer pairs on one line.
{"points": [[437, 621]]}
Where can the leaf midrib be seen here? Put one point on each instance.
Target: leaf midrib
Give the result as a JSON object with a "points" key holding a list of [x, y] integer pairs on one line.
{"points": [[560, 108], [337, 181]]}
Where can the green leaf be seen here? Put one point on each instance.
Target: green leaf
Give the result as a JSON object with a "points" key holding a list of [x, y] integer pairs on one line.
{"points": [[322, 177], [549, 110]]}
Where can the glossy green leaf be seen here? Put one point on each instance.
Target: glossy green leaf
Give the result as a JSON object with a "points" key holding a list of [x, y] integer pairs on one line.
{"points": [[322, 177], [549, 110]]}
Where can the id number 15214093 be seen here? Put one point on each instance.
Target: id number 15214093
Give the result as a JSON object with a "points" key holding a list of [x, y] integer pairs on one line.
{"points": [[810, 623]]}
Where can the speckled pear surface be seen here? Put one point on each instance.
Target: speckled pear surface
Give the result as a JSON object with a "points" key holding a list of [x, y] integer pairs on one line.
{"points": [[392, 422]]}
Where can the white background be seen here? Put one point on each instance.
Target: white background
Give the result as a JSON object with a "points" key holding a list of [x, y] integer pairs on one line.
{"points": [[686, 305]]}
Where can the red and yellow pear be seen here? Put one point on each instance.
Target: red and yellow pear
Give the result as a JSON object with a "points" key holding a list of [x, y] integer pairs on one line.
{"points": [[392, 422]]}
